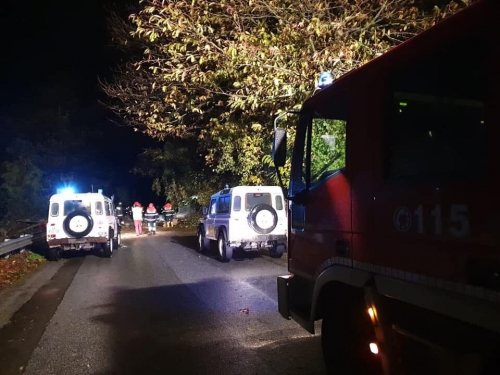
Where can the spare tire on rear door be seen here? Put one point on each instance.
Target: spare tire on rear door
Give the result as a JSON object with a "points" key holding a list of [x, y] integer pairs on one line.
{"points": [[263, 218], [78, 224]]}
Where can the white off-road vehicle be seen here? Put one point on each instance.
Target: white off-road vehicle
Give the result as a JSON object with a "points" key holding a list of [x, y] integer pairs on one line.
{"points": [[82, 222], [246, 217]]}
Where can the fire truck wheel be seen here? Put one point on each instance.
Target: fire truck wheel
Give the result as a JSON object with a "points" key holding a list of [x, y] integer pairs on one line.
{"points": [[345, 337], [78, 224], [225, 251], [263, 218]]}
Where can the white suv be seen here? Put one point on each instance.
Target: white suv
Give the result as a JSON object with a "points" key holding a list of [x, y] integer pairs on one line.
{"points": [[82, 222], [246, 217]]}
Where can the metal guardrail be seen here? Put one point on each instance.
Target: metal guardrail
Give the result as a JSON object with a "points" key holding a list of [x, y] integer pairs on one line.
{"points": [[16, 244], [30, 235]]}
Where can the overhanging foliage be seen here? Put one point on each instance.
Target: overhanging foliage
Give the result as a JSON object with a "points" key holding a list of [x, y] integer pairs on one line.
{"points": [[220, 71]]}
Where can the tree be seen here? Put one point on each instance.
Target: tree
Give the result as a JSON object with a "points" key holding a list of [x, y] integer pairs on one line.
{"points": [[70, 152], [179, 173], [219, 71], [22, 192]]}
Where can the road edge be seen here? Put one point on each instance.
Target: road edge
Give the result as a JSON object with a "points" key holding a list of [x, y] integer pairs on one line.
{"points": [[16, 295]]}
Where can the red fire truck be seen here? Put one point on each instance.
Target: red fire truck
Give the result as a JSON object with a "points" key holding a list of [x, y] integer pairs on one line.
{"points": [[394, 206]]}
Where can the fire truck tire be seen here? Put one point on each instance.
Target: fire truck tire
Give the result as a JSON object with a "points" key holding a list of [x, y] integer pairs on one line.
{"points": [[203, 242], [345, 336], [54, 254], [225, 252], [266, 211], [84, 230]]}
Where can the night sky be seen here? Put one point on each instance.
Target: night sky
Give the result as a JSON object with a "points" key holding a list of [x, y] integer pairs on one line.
{"points": [[58, 49]]}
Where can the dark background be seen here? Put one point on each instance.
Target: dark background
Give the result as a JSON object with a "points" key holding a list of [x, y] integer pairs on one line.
{"points": [[52, 54]]}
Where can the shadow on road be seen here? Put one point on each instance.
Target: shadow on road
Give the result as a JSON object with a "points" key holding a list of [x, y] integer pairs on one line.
{"points": [[169, 330], [191, 242]]}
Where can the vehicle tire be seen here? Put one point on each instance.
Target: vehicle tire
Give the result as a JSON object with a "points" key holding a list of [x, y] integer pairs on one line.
{"points": [[54, 254], [108, 247], [277, 250], [225, 252], [117, 241], [78, 224], [263, 218], [345, 337], [203, 242]]}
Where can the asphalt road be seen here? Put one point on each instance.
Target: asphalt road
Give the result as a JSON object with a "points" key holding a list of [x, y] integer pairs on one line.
{"points": [[158, 307]]}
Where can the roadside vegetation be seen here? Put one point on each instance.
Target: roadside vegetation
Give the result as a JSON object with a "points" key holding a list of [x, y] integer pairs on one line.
{"points": [[15, 267], [190, 221], [208, 78]]}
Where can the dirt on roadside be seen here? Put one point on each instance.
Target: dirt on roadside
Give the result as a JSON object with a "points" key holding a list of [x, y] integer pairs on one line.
{"points": [[17, 266]]}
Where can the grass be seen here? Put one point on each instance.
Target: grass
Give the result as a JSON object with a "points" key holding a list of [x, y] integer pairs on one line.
{"points": [[17, 266]]}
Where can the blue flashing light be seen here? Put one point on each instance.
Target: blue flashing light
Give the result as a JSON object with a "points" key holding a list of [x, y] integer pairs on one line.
{"points": [[325, 79], [66, 190]]}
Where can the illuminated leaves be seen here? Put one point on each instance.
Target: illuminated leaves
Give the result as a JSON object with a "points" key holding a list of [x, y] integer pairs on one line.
{"points": [[213, 70]]}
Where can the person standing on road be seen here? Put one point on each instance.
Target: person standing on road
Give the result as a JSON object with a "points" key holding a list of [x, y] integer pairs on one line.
{"points": [[151, 217], [169, 214], [137, 216], [119, 212]]}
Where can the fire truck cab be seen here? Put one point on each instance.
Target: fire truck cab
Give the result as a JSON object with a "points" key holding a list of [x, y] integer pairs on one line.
{"points": [[394, 206]]}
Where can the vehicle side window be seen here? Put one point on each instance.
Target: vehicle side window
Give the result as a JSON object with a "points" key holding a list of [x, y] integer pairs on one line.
{"points": [[54, 209], [279, 203], [98, 208], [438, 127], [107, 207], [237, 203], [223, 205], [213, 205], [328, 143]]}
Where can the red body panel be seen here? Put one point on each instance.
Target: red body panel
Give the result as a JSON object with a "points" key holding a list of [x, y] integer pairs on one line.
{"points": [[422, 227]]}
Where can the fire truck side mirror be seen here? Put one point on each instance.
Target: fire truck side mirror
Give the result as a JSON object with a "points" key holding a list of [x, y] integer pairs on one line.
{"points": [[279, 147]]}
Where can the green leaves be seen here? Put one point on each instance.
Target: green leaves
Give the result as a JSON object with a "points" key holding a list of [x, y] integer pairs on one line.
{"points": [[221, 67]]}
